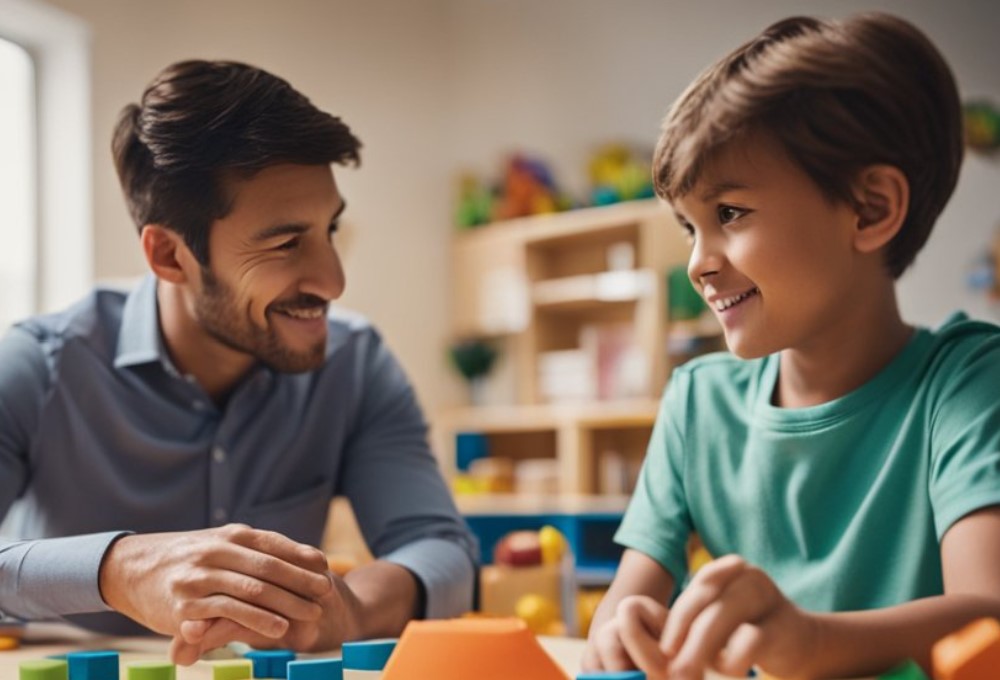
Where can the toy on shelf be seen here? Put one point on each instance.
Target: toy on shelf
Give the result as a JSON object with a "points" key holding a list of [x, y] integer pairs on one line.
{"points": [[473, 359], [528, 188], [619, 173], [981, 120], [475, 203], [532, 578]]}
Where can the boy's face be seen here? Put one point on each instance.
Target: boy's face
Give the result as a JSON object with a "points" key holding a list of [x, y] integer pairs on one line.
{"points": [[772, 256], [273, 269]]}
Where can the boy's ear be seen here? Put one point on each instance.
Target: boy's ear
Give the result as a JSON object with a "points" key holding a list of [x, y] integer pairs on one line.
{"points": [[166, 253], [881, 202]]}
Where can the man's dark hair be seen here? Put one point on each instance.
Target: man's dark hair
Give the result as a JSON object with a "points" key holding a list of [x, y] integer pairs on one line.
{"points": [[200, 123], [838, 96]]}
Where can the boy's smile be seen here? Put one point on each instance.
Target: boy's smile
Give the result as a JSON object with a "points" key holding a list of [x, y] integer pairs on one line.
{"points": [[771, 254]]}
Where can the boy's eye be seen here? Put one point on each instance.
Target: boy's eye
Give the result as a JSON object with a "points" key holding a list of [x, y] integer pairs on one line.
{"points": [[290, 244], [332, 230], [688, 230], [728, 213]]}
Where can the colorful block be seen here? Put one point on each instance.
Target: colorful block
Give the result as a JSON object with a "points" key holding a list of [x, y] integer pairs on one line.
{"points": [[316, 669], [270, 663], [151, 670], [459, 649], [8, 642], [225, 669], [44, 669], [367, 655], [93, 665], [910, 670], [972, 653]]}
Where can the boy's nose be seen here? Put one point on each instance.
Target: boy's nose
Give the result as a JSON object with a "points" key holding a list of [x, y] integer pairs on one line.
{"points": [[706, 260]]}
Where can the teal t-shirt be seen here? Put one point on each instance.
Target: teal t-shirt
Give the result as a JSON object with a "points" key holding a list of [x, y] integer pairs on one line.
{"points": [[843, 504]]}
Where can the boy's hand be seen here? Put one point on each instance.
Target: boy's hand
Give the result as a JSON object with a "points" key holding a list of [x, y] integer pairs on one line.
{"points": [[630, 639], [259, 579], [732, 616]]}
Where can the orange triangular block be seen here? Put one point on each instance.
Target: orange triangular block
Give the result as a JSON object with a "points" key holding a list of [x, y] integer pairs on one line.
{"points": [[459, 649], [972, 653]]}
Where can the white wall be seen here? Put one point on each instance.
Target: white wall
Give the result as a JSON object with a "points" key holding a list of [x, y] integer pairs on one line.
{"points": [[435, 86]]}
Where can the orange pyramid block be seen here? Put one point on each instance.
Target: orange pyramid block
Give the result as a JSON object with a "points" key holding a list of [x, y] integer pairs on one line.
{"points": [[459, 649], [972, 653]]}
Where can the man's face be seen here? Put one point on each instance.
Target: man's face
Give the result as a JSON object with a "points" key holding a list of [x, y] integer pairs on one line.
{"points": [[273, 269], [772, 255]]}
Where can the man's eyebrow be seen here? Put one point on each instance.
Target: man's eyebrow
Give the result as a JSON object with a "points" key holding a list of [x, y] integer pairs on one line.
{"points": [[292, 228], [715, 190]]}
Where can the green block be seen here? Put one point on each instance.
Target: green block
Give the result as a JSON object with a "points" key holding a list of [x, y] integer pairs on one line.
{"points": [[232, 669], [906, 671], [44, 669], [151, 670]]}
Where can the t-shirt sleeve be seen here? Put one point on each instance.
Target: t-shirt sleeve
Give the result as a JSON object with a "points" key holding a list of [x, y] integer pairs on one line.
{"points": [[965, 437], [403, 506], [657, 521]]}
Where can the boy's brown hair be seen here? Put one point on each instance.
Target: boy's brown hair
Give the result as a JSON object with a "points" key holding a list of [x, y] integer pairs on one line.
{"points": [[201, 123], [838, 96]]}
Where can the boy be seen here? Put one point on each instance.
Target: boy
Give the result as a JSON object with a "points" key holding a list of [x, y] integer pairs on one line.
{"points": [[854, 459]]}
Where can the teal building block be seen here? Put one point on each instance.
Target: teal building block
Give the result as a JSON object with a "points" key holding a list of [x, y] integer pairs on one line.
{"points": [[270, 663], [93, 665], [909, 670], [368, 655], [612, 675], [316, 669]]}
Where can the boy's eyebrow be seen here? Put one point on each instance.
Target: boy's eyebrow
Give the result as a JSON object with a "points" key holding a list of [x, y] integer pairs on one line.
{"points": [[719, 188], [293, 228]]}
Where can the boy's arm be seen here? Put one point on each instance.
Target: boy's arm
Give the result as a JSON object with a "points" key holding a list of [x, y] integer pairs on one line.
{"points": [[627, 624], [734, 613]]}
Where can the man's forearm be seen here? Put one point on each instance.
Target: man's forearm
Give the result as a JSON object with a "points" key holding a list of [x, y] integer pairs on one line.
{"points": [[388, 595], [864, 643]]}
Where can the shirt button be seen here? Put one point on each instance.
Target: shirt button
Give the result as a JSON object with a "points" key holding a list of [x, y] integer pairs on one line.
{"points": [[219, 515], [219, 455]]}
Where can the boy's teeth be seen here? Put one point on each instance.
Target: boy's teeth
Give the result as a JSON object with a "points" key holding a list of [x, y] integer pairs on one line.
{"points": [[726, 303]]}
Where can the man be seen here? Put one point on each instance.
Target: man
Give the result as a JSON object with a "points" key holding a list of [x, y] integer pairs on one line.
{"points": [[170, 454]]}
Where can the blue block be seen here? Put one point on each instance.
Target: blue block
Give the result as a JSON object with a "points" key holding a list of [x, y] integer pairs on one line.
{"points": [[270, 663], [316, 669], [367, 655], [612, 675], [93, 665]]}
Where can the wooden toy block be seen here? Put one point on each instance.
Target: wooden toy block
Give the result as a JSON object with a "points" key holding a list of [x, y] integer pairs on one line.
{"points": [[221, 669], [151, 670], [501, 586], [971, 653], [8, 643], [93, 665], [270, 663], [459, 649], [44, 669], [365, 659], [316, 669]]}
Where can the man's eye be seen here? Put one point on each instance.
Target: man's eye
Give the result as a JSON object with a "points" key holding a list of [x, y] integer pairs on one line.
{"points": [[728, 213], [332, 230], [290, 244]]}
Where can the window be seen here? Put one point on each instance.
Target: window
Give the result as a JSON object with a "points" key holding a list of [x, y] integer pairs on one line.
{"points": [[18, 188], [44, 117]]}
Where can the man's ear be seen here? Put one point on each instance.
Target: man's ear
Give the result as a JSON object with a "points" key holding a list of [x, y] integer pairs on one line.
{"points": [[881, 202], [166, 253]]}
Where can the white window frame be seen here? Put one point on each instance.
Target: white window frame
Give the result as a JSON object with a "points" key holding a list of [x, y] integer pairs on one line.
{"points": [[59, 45]]}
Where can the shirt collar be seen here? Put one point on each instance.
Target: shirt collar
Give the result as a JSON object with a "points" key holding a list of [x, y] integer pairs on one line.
{"points": [[139, 339]]}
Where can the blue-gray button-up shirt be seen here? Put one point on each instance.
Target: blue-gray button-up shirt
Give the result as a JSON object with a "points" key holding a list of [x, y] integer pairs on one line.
{"points": [[100, 434]]}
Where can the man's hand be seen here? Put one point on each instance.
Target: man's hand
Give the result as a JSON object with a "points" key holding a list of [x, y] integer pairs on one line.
{"points": [[376, 600], [339, 622], [259, 580]]}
